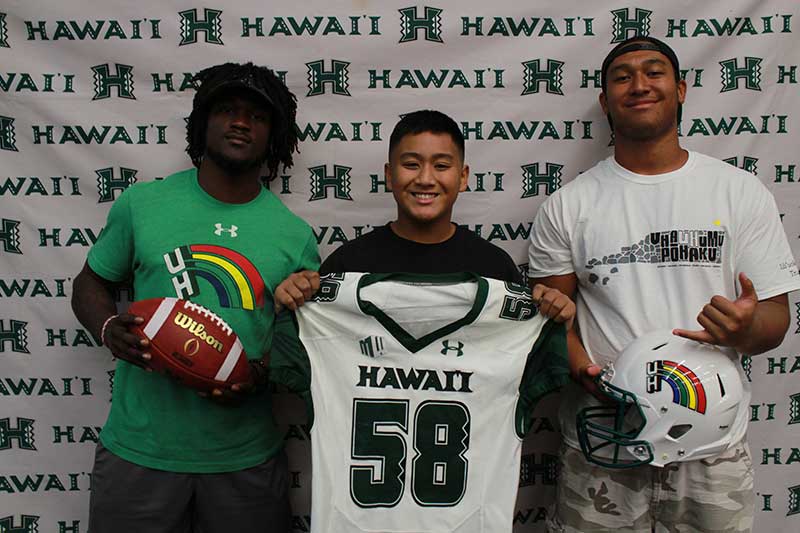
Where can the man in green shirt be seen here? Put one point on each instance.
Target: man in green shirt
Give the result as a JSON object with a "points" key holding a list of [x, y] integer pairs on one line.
{"points": [[168, 459]]}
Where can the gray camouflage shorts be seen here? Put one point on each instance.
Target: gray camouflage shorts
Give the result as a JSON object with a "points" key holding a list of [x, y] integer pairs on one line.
{"points": [[709, 495]]}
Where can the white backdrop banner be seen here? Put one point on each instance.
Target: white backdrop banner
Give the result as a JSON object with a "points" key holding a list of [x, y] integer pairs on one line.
{"points": [[93, 97]]}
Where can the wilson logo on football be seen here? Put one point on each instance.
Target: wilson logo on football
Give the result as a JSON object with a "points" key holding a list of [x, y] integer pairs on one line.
{"points": [[198, 330]]}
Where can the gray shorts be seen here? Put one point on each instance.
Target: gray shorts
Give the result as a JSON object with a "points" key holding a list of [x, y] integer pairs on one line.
{"points": [[128, 498], [714, 494]]}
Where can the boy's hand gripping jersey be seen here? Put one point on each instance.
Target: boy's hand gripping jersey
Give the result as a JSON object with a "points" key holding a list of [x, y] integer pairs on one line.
{"points": [[422, 389]]}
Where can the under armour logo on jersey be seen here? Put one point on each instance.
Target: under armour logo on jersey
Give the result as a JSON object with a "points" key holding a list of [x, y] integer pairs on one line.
{"points": [[458, 347], [220, 229], [372, 346]]}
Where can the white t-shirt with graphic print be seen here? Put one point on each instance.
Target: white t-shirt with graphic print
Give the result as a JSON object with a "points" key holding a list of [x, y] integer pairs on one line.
{"points": [[650, 251]]}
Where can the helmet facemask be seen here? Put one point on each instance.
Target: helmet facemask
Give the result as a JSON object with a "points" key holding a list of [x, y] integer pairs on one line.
{"points": [[613, 428]]}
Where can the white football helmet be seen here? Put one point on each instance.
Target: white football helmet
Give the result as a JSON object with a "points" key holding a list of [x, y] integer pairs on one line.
{"points": [[671, 399]]}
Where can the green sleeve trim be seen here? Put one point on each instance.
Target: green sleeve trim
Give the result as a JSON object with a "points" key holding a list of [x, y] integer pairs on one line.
{"points": [[546, 370], [289, 364]]}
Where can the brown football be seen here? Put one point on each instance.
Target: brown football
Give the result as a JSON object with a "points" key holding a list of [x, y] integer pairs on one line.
{"points": [[191, 344]]}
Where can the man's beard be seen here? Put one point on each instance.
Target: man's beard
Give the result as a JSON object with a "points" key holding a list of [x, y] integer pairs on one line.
{"points": [[641, 132], [234, 167]]}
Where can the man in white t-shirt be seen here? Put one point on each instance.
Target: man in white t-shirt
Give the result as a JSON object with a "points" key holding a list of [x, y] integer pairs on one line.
{"points": [[659, 237]]}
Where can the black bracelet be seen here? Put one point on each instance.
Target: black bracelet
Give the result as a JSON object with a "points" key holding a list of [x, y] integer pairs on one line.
{"points": [[260, 371]]}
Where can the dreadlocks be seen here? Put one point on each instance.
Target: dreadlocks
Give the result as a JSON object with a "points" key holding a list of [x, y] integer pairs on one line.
{"points": [[283, 134]]}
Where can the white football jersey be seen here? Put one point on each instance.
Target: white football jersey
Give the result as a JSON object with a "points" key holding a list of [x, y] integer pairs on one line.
{"points": [[422, 389]]}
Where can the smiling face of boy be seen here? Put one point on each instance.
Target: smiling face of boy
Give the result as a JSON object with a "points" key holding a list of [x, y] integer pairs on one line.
{"points": [[426, 172]]}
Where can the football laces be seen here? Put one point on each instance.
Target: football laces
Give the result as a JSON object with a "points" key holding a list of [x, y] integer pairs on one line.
{"points": [[208, 314]]}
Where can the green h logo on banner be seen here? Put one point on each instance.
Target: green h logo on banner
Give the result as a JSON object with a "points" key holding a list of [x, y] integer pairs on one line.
{"points": [[411, 23], [3, 32], [104, 81], [16, 334], [22, 434], [552, 77], [107, 183], [794, 408], [338, 78], [28, 524], [532, 179], [747, 366], [748, 163], [8, 137], [797, 314], [211, 26], [794, 500], [339, 182], [546, 469], [732, 73], [9, 236], [624, 26]]}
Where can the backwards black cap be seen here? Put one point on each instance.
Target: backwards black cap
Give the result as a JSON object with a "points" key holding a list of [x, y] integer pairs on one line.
{"points": [[639, 42], [238, 77]]}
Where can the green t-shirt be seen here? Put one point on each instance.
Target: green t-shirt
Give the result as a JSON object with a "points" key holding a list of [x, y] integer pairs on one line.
{"points": [[173, 239]]}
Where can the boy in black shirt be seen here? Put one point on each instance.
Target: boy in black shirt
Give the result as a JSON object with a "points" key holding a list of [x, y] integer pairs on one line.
{"points": [[426, 171]]}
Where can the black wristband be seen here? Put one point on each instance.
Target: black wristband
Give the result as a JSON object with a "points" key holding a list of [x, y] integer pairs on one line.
{"points": [[260, 372]]}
